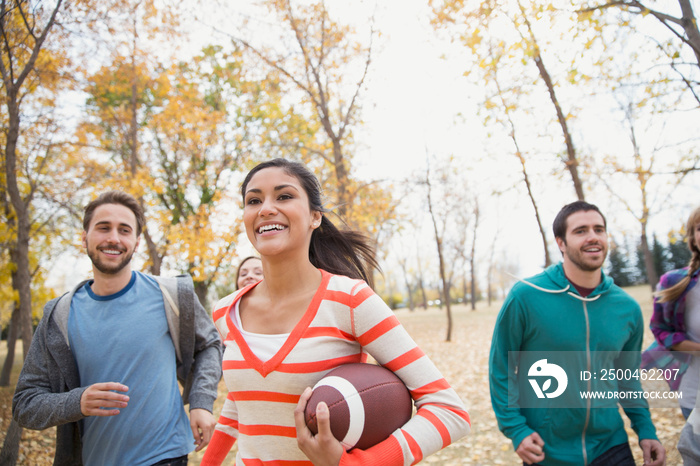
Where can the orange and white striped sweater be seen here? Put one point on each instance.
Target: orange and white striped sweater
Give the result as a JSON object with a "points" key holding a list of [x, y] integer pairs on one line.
{"points": [[344, 323]]}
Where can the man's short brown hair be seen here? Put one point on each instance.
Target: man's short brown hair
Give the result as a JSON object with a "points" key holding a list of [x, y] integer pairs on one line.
{"points": [[559, 225], [115, 197]]}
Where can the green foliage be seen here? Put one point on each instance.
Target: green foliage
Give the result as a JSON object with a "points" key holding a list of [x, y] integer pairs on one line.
{"points": [[642, 275], [619, 268], [627, 266], [678, 253], [674, 255], [659, 255]]}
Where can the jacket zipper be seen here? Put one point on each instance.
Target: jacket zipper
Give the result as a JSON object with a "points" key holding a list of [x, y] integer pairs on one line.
{"points": [[588, 384]]}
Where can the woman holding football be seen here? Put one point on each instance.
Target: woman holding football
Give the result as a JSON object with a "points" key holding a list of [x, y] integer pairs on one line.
{"points": [[312, 312]]}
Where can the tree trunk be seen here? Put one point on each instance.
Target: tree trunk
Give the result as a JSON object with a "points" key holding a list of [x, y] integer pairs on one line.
{"points": [[465, 293], [489, 273], [133, 162], [489, 290], [407, 283], [648, 260], [424, 296], [12, 333], [13, 80], [409, 291], [526, 179], [134, 124], [201, 289], [571, 160], [19, 255], [21, 277], [421, 285], [643, 180], [152, 247], [472, 259], [14, 327], [445, 293], [10, 447], [473, 286], [445, 284], [543, 232], [690, 26], [341, 175]]}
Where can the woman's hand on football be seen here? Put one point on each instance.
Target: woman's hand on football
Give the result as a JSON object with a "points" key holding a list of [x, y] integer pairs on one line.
{"points": [[322, 449]]}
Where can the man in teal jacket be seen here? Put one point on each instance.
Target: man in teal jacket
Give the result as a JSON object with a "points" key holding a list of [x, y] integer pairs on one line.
{"points": [[571, 326]]}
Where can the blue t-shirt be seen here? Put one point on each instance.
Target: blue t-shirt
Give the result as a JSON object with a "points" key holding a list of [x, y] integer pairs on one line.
{"points": [[124, 338]]}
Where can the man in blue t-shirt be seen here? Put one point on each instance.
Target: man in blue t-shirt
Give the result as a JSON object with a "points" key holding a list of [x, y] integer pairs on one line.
{"points": [[105, 361]]}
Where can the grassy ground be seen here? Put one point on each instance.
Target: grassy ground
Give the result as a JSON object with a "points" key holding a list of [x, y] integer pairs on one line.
{"points": [[463, 361]]}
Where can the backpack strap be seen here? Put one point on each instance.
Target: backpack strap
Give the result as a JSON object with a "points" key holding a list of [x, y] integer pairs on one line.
{"points": [[62, 309], [168, 286]]}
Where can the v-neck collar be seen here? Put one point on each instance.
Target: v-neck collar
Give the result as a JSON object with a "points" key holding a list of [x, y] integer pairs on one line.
{"points": [[272, 364]]}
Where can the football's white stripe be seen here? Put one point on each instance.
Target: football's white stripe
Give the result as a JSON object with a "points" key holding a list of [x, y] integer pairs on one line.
{"points": [[355, 405]]}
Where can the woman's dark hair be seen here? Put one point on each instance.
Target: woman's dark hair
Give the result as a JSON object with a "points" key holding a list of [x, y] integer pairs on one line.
{"points": [[240, 266], [341, 252]]}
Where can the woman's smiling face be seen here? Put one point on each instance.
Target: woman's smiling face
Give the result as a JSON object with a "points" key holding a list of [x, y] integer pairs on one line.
{"points": [[250, 271], [276, 213]]}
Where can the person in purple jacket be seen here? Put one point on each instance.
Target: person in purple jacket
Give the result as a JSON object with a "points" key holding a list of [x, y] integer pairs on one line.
{"points": [[675, 323]]}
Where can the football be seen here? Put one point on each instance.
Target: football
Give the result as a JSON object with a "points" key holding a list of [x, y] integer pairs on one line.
{"points": [[366, 404]]}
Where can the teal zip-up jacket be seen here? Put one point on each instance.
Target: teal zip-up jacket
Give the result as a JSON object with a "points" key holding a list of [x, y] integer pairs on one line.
{"points": [[546, 317]]}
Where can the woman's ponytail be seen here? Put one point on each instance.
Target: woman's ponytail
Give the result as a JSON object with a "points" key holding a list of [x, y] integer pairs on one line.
{"points": [[342, 252]]}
